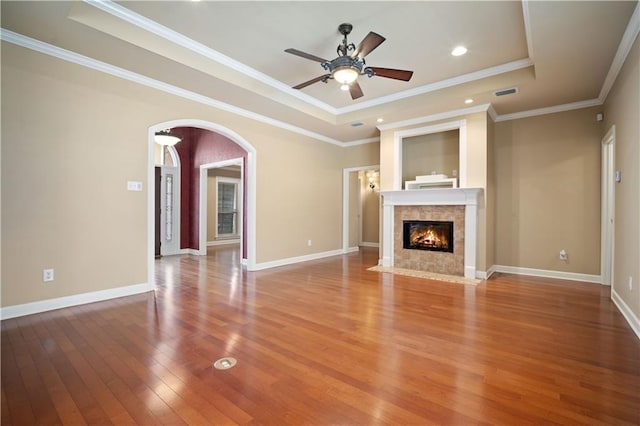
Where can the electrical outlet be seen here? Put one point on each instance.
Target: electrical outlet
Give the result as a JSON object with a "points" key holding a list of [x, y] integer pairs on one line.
{"points": [[309, 243], [563, 255], [630, 283], [47, 275]]}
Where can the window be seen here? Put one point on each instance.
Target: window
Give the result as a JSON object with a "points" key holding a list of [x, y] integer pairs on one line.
{"points": [[227, 194]]}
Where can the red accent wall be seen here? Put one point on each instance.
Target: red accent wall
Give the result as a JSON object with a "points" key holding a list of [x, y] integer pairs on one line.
{"points": [[200, 147]]}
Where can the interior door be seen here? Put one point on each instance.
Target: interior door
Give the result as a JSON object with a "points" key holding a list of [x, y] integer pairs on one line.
{"points": [[169, 216]]}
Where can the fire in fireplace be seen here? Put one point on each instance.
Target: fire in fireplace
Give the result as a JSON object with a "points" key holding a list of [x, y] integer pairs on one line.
{"points": [[427, 235]]}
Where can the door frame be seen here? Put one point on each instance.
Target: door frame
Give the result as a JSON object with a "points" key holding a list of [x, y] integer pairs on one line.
{"points": [[345, 202], [204, 184], [608, 207]]}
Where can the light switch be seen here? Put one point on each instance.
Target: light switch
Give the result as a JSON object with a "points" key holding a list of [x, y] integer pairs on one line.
{"points": [[134, 186]]}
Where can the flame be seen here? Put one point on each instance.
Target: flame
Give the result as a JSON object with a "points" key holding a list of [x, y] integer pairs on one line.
{"points": [[428, 237]]}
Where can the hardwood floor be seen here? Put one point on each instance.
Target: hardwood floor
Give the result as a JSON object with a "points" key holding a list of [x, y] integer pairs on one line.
{"points": [[325, 342]]}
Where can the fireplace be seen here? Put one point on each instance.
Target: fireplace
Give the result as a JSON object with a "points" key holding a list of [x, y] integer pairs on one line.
{"points": [[427, 235]]}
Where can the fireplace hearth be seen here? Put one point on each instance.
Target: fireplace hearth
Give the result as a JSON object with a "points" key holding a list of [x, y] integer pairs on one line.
{"points": [[427, 235]]}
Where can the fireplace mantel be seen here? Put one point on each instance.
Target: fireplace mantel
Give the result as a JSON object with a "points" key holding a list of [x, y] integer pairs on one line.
{"points": [[469, 197]]}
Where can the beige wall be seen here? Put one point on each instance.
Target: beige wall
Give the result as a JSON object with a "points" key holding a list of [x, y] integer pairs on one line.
{"points": [[426, 154], [622, 109], [65, 207], [547, 171]]}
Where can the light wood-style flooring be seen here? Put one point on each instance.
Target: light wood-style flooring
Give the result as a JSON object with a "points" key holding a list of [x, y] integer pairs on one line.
{"points": [[325, 342]]}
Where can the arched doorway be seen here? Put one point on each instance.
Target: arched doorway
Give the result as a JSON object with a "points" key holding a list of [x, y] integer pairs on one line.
{"points": [[249, 257]]}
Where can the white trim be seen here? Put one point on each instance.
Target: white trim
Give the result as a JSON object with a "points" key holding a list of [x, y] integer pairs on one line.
{"points": [[159, 30], [492, 113], [369, 244], [398, 137], [527, 27], [560, 275], [345, 200], [361, 142], [549, 110], [352, 250], [297, 259], [181, 40], [74, 300], [607, 206], [485, 275], [626, 43], [469, 197], [69, 56], [223, 242], [626, 312]]}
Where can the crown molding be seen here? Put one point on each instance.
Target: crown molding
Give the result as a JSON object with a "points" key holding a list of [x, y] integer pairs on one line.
{"points": [[549, 110], [175, 37], [168, 34], [628, 38], [69, 56], [527, 27], [361, 142]]}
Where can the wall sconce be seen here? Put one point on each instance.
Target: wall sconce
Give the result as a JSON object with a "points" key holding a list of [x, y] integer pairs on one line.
{"points": [[371, 184]]}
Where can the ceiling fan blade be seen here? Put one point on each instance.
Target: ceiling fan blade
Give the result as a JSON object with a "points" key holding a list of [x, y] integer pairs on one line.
{"points": [[355, 90], [305, 55], [313, 80], [366, 46], [392, 73]]}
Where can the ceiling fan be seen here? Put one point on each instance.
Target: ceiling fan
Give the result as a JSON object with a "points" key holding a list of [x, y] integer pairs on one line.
{"points": [[350, 63]]}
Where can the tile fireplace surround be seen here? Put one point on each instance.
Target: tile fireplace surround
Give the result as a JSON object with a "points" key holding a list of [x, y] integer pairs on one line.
{"points": [[467, 197]]}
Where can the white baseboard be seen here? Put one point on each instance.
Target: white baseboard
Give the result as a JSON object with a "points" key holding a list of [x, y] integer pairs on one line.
{"points": [[485, 275], [223, 242], [597, 279], [626, 312], [77, 299], [352, 250], [367, 244], [298, 259]]}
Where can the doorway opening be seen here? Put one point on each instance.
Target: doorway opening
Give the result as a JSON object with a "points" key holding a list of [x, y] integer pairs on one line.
{"points": [[249, 196], [221, 204], [360, 207]]}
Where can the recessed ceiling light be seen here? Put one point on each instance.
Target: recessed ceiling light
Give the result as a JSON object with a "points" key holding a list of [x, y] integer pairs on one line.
{"points": [[380, 120], [468, 101], [459, 51]]}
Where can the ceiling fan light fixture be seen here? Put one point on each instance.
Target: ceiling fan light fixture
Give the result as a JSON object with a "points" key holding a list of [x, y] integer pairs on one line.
{"points": [[345, 75], [344, 87], [166, 138]]}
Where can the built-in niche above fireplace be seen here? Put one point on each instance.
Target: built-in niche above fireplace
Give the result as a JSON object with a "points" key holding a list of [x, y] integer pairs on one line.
{"points": [[428, 235]]}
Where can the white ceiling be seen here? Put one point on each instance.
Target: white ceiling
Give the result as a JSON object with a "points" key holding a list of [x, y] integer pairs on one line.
{"points": [[556, 53]]}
